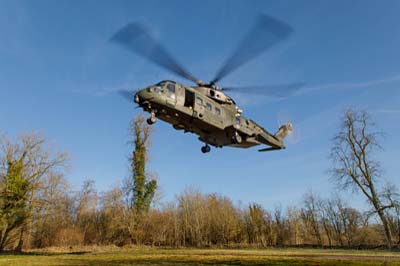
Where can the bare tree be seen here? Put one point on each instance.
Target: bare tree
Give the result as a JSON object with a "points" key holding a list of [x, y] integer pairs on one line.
{"points": [[323, 208], [86, 213], [281, 227], [111, 218], [54, 215], [294, 220], [311, 215], [259, 226], [192, 217], [332, 208], [354, 167]]}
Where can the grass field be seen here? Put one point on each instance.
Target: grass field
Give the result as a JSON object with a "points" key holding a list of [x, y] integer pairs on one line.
{"points": [[199, 257]]}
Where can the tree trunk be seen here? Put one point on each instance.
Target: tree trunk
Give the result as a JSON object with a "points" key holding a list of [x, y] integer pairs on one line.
{"points": [[398, 231], [18, 248], [4, 239], [386, 228], [328, 234]]}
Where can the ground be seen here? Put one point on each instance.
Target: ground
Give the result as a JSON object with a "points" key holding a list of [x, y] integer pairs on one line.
{"points": [[112, 256]]}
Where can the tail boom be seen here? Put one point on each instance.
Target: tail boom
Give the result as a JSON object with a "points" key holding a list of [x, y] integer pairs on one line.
{"points": [[274, 141]]}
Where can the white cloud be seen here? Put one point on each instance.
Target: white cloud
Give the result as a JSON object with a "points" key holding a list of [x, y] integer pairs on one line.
{"points": [[252, 100], [350, 85], [389, 111]]}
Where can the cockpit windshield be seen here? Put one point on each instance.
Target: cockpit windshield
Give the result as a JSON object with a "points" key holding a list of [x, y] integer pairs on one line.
{"points": [[163, 83]]}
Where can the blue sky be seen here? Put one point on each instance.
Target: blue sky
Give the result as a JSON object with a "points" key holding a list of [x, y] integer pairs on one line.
{"points": [[57, 72]]}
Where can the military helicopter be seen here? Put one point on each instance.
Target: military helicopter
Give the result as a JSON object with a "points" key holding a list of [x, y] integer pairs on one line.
{"points": [[205, 109]]}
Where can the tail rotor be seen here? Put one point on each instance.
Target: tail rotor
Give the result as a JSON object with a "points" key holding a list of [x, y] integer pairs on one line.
{"points": [[287, 130]]}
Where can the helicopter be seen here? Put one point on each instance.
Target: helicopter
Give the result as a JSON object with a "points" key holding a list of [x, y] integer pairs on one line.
{"points": [[205, 109]]}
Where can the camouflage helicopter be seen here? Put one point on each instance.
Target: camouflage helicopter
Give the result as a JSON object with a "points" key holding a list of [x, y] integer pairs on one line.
{"points": [[205, 109]]}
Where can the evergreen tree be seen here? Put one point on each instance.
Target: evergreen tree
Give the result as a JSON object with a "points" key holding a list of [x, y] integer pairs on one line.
{"points": [[143, 188], [14, 196]]}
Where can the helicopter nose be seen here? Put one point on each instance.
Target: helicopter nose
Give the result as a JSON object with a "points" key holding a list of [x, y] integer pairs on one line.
{"points": [[142, 95]]}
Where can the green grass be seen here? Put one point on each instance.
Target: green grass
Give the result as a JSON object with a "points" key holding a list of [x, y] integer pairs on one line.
{"points": [[200, 257]]}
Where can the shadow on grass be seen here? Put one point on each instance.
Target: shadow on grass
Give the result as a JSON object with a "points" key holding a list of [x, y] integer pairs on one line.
{"points": [[44, 253], [271, 262]]}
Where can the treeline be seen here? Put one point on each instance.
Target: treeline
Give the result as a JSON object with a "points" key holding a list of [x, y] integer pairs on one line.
{"points": [[199, 220]]}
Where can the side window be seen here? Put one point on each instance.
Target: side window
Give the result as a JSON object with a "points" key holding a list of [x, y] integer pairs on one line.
{"points": [[217, 111], [209, 106], [199, 101], [237, 120], [171, 87]]}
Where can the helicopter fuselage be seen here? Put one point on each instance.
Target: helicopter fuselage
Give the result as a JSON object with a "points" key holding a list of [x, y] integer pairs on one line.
{"points": [[205, 111]]}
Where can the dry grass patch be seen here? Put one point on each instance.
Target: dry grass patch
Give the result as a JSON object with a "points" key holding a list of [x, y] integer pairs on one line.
{"points": [[114, 256]]}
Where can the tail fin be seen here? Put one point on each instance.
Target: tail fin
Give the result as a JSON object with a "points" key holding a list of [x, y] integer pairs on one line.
{"points": [[284, 131]]}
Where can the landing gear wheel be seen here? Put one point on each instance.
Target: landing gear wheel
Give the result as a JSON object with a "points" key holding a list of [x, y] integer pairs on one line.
{"points": [[237, 139], [205, 149], [152, 119]]}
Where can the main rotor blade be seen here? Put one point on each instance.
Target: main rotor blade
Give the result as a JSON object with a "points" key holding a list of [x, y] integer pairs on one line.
{"points": [[278, 90], [267, 32], [135, 37]]}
